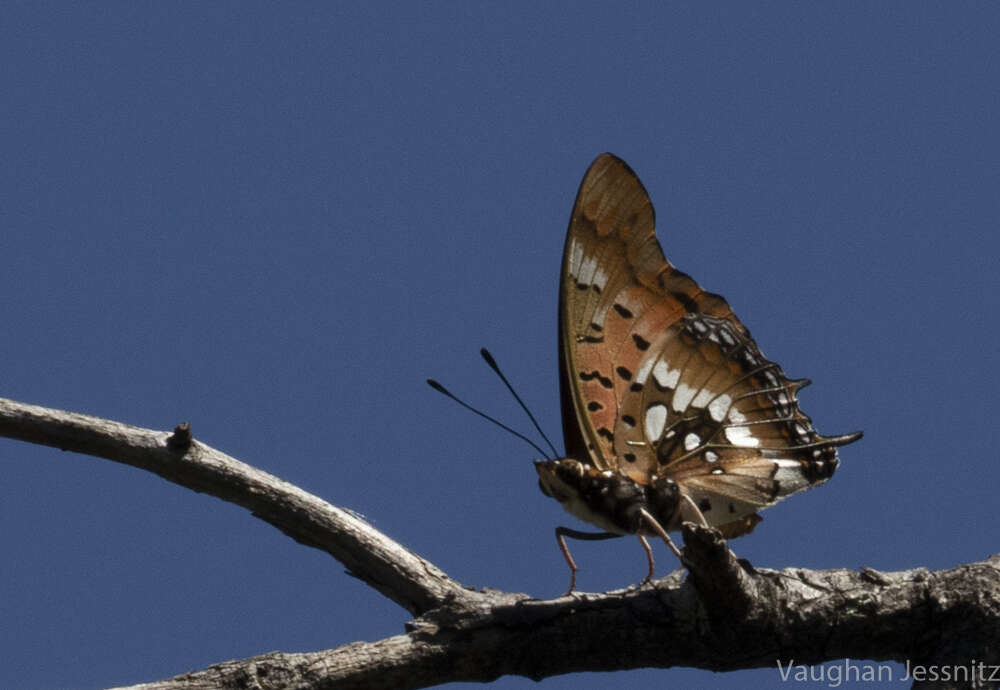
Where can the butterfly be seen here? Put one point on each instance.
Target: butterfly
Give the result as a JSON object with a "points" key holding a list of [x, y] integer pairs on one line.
{"points": [[670, 411]]}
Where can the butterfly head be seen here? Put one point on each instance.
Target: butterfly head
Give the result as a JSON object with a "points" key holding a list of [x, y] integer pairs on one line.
{"points": [[559, 479]]}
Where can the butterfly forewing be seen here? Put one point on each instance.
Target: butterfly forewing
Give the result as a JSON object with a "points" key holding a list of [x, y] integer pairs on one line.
{"points": [[659, 378]]}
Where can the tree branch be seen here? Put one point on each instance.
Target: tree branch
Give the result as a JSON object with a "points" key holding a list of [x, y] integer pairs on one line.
{"points": [[727, 615], [393, 570], [800, 617]]}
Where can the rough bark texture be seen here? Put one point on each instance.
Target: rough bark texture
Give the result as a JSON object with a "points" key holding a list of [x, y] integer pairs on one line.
{"points": [[723, 615]]}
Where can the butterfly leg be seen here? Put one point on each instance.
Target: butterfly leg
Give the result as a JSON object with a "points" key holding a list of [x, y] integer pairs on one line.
{"points": [[658, 528], [562, 533], [649, 557], [691, 510]]}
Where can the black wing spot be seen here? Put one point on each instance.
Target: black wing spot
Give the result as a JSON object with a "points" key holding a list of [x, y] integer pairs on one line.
{"points": [[636, 388], [623, 312], [640, 342], [704, 505], [628, 419], [582, 286], [591, 375], [596, 326], [629, 457], [592, 339], [732, 508], [594, 406], [606, 434], [689, 304], [624, 373]]}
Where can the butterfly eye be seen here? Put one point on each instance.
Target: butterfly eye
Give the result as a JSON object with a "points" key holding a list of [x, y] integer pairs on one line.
{"points": [[569, 469]]}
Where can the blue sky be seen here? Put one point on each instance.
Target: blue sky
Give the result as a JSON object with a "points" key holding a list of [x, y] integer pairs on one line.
{"points": [[275, 221]]}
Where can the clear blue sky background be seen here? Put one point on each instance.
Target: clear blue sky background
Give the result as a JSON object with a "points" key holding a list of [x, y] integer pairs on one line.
{"points": [[276, 220]]}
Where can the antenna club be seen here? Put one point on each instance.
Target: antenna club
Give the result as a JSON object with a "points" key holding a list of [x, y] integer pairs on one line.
{"points": [[489, 359], [437, 386]]}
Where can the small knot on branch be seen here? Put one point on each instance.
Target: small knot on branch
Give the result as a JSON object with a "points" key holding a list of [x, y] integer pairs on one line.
{"points": [[181, 439], [724, 585]]}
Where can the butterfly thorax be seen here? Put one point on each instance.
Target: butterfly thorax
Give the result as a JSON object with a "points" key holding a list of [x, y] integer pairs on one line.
{"points": [[610, 500]]}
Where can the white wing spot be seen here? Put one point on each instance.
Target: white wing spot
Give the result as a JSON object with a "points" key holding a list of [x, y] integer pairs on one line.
{"points": [[600, 278], [741, 436], [790, 477], [656, 419], [711, 456], [702, 399], [575, 258], [691, 441], [682, 397], [587, 268], [718, 408], [665, 376], [643, 373]]}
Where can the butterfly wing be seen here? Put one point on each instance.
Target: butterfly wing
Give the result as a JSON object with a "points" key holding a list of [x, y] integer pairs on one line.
{"points": [[660, 378]]}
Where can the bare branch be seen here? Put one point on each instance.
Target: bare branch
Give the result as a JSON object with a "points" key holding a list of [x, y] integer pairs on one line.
{"points": [[798, 617], [727, 615], [393, 570]]}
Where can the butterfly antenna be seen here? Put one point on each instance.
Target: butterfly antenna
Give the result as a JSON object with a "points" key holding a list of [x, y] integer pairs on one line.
{"points": [[444, 391], [495, 367]]}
